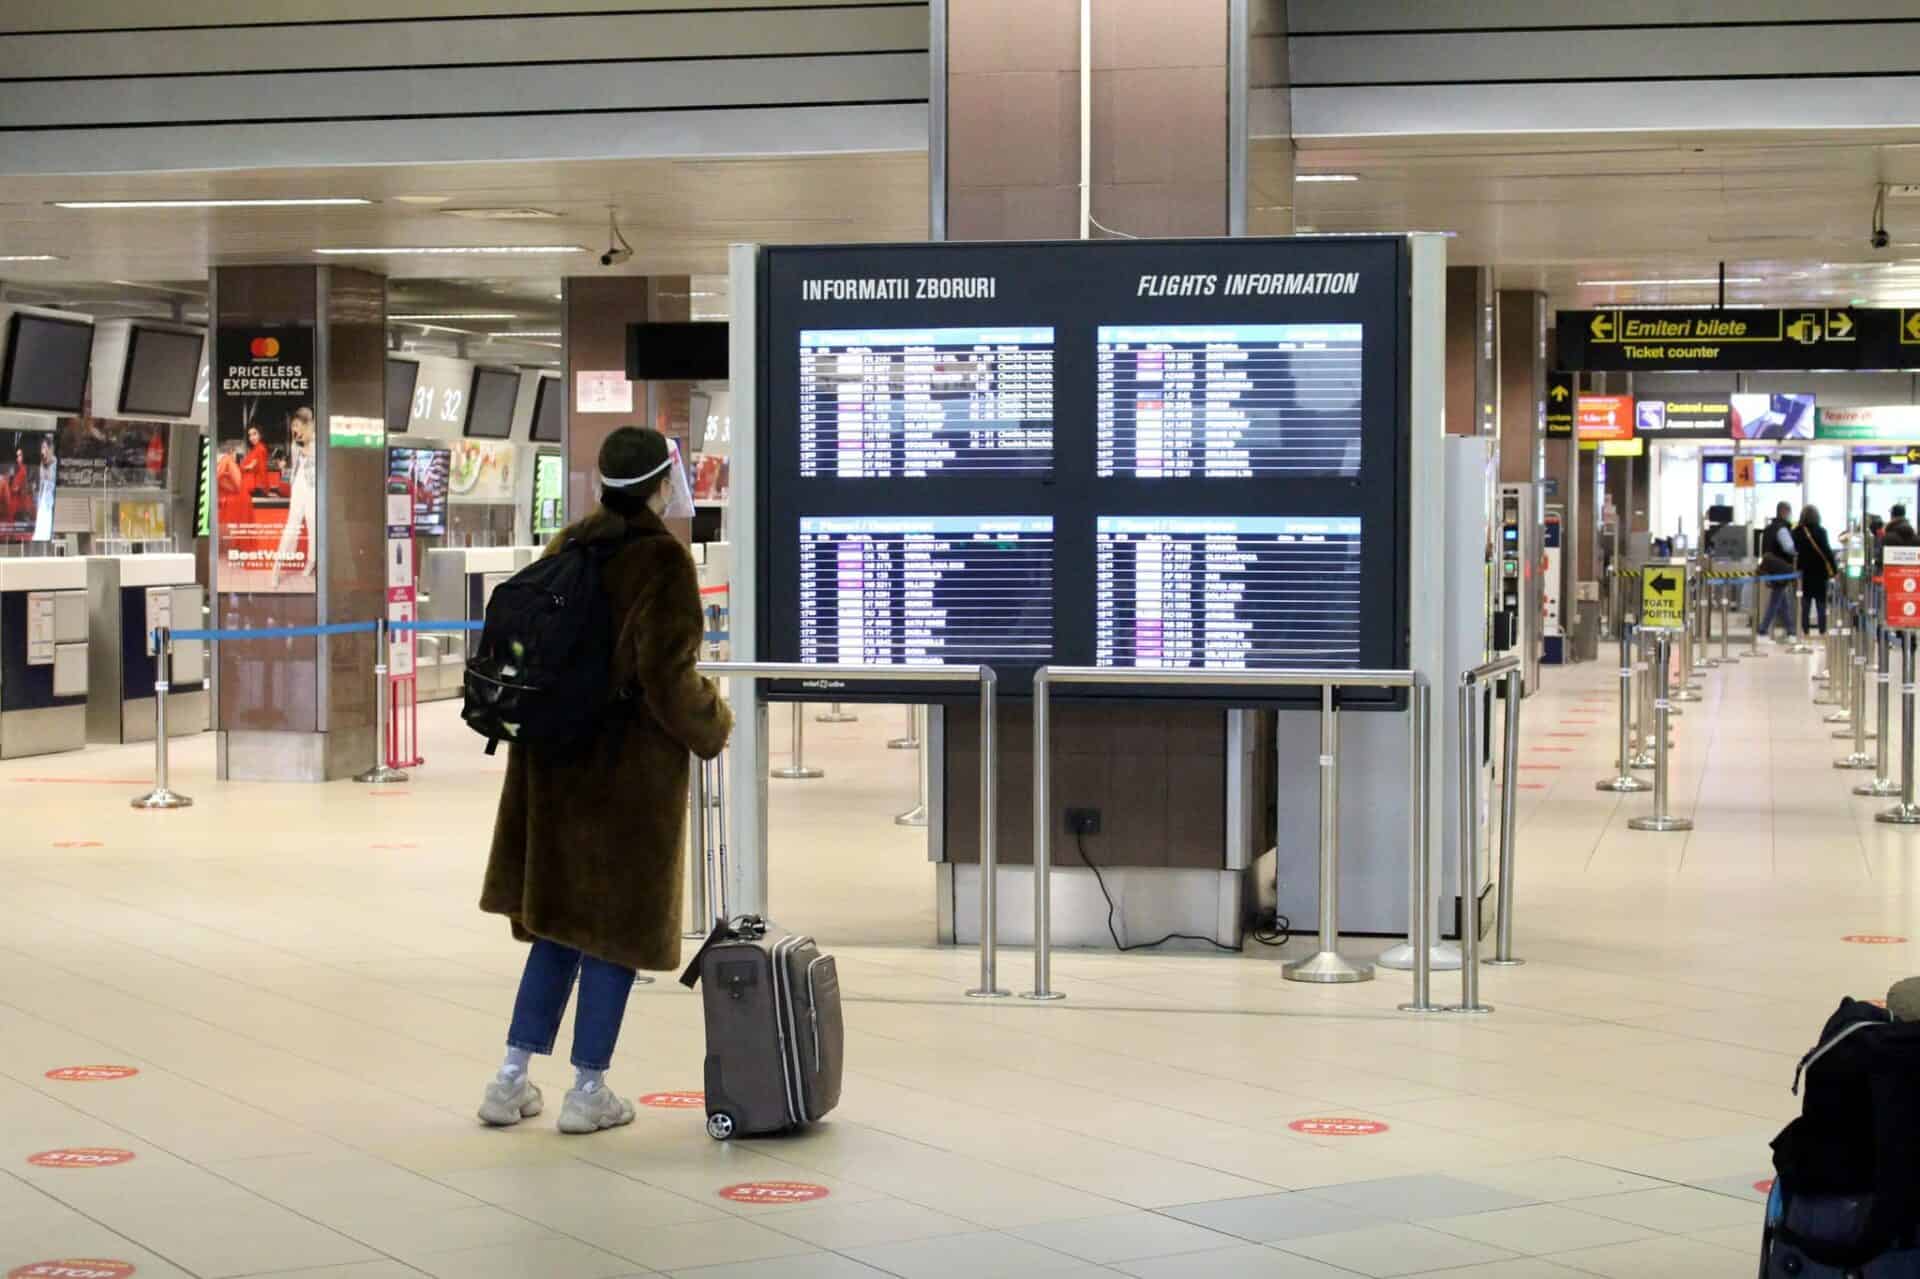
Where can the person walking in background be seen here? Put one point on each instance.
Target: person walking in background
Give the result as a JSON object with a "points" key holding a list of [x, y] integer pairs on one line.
{"points": [[1814, 556], [586, 859], [1899, 531], [1778, 560]]}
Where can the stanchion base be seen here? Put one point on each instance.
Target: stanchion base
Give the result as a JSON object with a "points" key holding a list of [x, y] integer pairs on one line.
{"points": [[1840, 734], [1900, 815], [1854, 761], [798, 774], [1799, 649], [1879, 788], [1643, 761], [1504, 963], [984, 993], [1329, 967], [1624, 785], [381, 775], [1668, 822], [903, 744], [1442, 959], [160, 799], [1711, 663], [915, 816], [1471, 1010], [1420, 1008], [844, 717], [1729, 661], [1042, 996], [1686, 695], [1837, 717]]}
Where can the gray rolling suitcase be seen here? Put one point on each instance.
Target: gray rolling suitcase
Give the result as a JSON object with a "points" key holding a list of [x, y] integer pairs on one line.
{"points": [[775, 1040]]}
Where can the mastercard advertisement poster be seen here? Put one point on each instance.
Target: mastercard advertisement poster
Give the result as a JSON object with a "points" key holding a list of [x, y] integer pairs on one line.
{"points": [[265, 472]]}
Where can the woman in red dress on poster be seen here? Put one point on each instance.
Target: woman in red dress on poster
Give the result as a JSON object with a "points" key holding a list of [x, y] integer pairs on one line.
{"points": [[236, 502], [16, 493]]}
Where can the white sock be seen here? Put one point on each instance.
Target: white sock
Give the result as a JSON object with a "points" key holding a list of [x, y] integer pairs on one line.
{"points": [[588, 1080], [515, 1066]]}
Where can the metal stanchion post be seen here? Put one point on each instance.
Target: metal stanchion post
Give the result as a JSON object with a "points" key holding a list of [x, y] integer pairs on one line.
{"points": [[1726, 623], [1643, 717], [836, 714], [911, 742], [797, 769], [1839, 645], [1882, 784], [1042, 846], [1684, 689], [1796, 625], [1624, 782], [1857, 688], [1709, 594], [1421, 939], [989, 987], [1469, 698], [1328, 965], [382, 773], [917, 815], [1660, 819], [1509, 791], [163, 796], [1859, 651], [1906, 812], [1754, 613]]}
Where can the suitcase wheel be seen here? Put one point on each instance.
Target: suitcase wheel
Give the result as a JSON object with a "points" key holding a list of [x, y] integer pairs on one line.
{"points": [[720, 1126]]}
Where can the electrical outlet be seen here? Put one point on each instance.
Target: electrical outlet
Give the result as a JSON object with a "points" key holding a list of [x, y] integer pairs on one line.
{"points": [[1083, 821]]}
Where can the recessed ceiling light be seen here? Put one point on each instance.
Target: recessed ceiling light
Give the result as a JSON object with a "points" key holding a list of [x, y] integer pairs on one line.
{"points": [[450, 250], [30, 257], [501, 215], [420, 199], [1694, 279], [457, 315], [1326, 177], [210, 204]]}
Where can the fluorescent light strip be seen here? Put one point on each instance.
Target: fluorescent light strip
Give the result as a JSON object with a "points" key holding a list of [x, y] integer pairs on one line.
{"points": [[30, 257], [450, 250], [1700, 279], [301, 203], [458, 315], [528, 333], [1326, 177]]}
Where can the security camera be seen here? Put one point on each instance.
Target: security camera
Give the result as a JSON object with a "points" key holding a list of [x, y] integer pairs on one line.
{"points": [[1880, 239], [618, 250]]}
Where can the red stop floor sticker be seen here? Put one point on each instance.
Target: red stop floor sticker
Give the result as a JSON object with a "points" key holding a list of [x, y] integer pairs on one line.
{"points": [[1338, 1127], [774, 1192], [78, 1268], [1764, 1187], [92, 1074], [80, 1157], [675, 1100], [1873, 939]]}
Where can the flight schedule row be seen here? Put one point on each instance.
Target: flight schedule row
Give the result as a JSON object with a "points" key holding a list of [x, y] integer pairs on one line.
{"points": [[1170, 401], [1192, 592]]}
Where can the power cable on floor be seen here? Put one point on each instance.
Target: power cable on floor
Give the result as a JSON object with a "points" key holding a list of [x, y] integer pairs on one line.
{"points": [[1276, 931]]}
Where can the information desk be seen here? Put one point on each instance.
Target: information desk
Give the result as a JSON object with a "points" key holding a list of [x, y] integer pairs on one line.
{"points": [[43, 655], [128, 597]]}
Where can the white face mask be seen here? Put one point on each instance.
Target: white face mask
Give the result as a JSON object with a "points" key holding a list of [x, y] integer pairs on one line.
{"points": [[674, 498]]}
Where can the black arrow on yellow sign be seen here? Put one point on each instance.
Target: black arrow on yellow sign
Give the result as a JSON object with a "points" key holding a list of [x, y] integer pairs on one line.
{"points": [[1560, 391], [1602, 327]]}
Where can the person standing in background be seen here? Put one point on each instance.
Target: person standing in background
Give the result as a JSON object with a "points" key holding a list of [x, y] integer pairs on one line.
{"points": [[1814, 555], [1899, 531], [1777, 560]]}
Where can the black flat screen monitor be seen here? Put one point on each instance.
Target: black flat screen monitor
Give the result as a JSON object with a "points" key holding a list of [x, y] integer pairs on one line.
{"points": [[693, 351], [490, 403], [549, 411], [1789, 468], [423, 474], [403, 376], [162, 372], [1160, 455], [46, 364]]}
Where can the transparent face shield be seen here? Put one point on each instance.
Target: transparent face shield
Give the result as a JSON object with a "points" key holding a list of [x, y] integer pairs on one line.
{"points": [[679, 493]]}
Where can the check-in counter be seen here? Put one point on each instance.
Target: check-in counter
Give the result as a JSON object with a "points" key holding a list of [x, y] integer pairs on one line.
{"points": [[458, 581], [129, 597], [43, 656]]}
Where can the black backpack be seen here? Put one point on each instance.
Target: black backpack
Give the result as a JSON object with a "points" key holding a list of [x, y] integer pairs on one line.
{"points": [[540, 672]]}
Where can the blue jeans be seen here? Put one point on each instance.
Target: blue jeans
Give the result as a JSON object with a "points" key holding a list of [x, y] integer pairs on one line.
{"points": [[544, 987], [1779, 606]]}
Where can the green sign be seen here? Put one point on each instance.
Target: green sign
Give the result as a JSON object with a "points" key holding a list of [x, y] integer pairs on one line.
{"points": [[203, 504], [549, 496], [356, 432], [1877, 424]]}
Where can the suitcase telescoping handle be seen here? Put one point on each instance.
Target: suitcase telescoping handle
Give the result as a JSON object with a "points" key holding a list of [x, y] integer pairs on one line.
{"points": [[709, 843]]}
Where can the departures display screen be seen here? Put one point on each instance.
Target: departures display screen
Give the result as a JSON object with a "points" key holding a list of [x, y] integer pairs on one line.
{"points": [[1181, 455]]}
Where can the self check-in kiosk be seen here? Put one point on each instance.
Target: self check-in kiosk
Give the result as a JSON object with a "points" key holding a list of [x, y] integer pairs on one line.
{"points": [[130, 597], [43, 656], [1518, 607]]}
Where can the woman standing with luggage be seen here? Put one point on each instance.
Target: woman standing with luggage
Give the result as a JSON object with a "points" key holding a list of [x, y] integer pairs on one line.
{"points": [[586, 859], [1815, 555]]}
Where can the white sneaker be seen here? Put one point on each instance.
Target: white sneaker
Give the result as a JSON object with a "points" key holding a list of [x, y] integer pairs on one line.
{"points": [[584, 1112], [507, 1104]]}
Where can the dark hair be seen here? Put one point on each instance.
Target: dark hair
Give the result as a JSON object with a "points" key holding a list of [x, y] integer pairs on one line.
{"points": [[1899, 511], [632, 451]]}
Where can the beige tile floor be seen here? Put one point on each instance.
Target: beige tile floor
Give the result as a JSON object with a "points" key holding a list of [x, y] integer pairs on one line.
{"points": [[312, 1003]]}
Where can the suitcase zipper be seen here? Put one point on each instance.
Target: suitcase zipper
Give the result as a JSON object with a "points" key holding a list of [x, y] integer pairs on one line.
{"points": [[789, 1027], [813, 1009]]}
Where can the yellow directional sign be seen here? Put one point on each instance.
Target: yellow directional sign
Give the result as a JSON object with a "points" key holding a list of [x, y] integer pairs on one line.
{"points": [[1839, 326], [1663, 597], [1602, 327], [1910, 326], [1805, 330], [1560, 393]]}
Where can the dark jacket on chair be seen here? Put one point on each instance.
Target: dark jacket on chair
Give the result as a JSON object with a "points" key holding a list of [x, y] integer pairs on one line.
{"points": [[587, 847]]}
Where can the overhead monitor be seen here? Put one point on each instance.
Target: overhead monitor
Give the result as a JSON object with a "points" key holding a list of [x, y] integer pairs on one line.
{"points": [[695, 351], [549, 410], [1789, 468], [47, 362], [1716, 470], [423, 474], [1182, 455], [1771, 417], [490, 403], [162, 372], [403, 376]]}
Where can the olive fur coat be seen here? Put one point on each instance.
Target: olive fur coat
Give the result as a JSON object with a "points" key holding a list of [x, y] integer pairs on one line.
{"points": [[587, 846]]}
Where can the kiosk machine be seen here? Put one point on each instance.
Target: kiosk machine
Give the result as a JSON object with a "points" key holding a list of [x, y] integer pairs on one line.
{"points": [[1518, 606]]}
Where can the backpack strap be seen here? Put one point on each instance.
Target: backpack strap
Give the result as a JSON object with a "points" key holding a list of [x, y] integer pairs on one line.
{"points": [[1824, 1049]]}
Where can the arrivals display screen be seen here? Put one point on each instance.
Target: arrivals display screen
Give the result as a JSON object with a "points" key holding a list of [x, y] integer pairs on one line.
{"points": [[1139, 454]]}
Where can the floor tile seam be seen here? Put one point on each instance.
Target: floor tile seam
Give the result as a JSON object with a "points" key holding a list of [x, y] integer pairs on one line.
{"points": [[89, 1217]]}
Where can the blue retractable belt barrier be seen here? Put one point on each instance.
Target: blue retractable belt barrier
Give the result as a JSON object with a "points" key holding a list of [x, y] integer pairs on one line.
{"points": [[280, 632], [435, 626]]}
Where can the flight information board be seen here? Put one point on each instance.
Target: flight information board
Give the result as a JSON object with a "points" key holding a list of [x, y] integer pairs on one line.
{"points": [[906, 403], [910, 591], [1218, 400], [1227, 593], [1184, 454]]}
